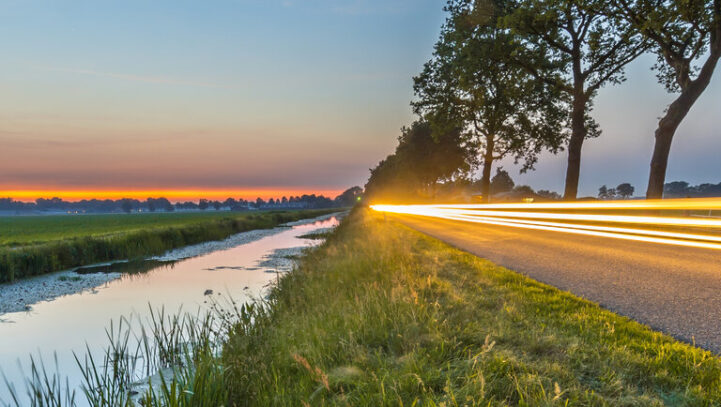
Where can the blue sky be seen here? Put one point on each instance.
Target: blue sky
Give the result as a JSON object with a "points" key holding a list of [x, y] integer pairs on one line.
{"points": [[248, 93]]}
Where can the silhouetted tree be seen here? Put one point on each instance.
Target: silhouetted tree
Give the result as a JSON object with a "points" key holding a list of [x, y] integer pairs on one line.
{"points": [[523, 190], [677, 189], [150, 203], [8, 204], [605, 192], [682, 189], [349, 197], [472, 84], [550, 195], [501, 182], [166, 205], [419, 163], [576, 46], [682, 33], [203, 204], [230, 203], [126, 205], [186, 205], [625, 190]]}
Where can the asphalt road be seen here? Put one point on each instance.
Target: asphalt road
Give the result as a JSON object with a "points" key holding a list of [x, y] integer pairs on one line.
{"points": [[673, 289]]}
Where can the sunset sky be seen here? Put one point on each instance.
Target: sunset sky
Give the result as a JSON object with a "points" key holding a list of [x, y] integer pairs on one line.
{"points": [[261, 97]]}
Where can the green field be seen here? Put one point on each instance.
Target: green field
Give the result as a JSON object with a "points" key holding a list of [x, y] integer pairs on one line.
{"points": [[24, 230], [37, 245]]}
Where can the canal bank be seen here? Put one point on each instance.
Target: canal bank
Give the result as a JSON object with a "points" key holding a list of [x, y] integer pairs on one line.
{"points": [[189, 280]]}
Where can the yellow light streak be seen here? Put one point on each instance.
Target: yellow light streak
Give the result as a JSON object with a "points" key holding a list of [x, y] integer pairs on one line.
{"points": [[661, 204], [530, 220], [672, 235], [647, 220], [648, 239]]}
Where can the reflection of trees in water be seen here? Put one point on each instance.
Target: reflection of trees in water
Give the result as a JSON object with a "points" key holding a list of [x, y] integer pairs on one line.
{"points": [[129, 268]]}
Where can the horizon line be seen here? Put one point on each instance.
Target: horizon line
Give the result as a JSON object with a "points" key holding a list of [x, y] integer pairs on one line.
{"points": [[172, 194]]}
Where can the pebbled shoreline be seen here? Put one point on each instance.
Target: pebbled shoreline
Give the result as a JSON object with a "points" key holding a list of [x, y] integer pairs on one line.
{"points": [[21, 295]]}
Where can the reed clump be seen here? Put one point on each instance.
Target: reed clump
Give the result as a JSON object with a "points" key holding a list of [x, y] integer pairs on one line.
{"points": [[169, 360]]}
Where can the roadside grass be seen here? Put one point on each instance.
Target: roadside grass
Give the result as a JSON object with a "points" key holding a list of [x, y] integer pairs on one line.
{"points": [[382, 315], [122, 237]]}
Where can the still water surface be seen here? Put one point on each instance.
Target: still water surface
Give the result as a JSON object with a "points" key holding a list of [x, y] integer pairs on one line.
{"points": [[65, 325]]}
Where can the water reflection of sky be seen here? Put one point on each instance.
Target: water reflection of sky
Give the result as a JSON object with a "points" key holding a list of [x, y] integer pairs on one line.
{"points": [[66, 324]]}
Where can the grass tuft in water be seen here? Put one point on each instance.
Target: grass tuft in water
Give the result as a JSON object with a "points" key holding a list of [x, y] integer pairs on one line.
{"points": [[170, 361]]}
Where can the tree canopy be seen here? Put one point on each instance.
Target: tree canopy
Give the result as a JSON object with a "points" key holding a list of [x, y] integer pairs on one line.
{"points": [[349, 197], [501, 182], [512, 78], [575, 46], [422, 159], [472, 84], [682, 33]]}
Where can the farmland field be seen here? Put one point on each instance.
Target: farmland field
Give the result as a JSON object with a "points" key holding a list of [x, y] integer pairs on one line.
{"points": [[24, 230]]}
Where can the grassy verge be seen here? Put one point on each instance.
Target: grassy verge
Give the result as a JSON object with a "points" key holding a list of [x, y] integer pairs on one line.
{"points": [[70, 241], [382, 315]]}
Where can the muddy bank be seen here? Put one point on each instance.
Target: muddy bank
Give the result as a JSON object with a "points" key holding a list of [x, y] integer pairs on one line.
{"points": [[19, 296], [235, 240]]}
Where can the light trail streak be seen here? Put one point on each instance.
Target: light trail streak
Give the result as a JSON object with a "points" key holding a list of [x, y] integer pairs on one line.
{"points": [[611, 230], [564, 229], [660, 204], [530, 220], [647, 220]]}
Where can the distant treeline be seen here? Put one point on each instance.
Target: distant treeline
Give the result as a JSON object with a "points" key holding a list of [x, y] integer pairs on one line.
{"points": [[682, 189], [347, 198]]}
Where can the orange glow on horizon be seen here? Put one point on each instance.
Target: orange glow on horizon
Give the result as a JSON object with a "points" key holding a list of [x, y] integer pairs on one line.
{"points": [[175, 195]]}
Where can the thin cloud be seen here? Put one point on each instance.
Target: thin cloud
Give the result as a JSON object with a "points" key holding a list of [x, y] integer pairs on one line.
{"points": [[138, 78], [366, 7]]}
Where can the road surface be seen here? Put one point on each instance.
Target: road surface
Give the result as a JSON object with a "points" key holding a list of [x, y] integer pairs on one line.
{"points": [[673, 289]]}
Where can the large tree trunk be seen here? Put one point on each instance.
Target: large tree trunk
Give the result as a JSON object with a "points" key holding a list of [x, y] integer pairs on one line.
{"points": [[487, 166], [664, 136], [675, 114], [578, 135]]}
